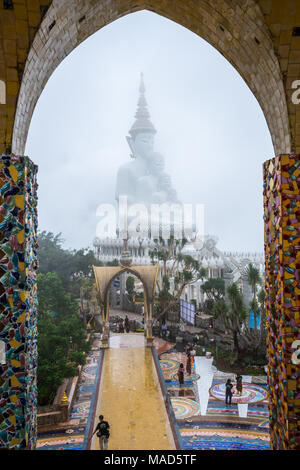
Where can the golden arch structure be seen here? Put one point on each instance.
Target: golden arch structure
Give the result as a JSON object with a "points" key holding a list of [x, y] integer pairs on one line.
{"points": [[261, 39], [104, 276]]}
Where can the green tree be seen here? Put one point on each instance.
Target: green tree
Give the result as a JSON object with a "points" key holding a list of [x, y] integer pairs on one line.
{"points": [[70, 265], [214, 288], [220, 310], [130, 286], [114, 262], [261, 300], [183, 269], [254, 280], [236, 314], [62, 340]]}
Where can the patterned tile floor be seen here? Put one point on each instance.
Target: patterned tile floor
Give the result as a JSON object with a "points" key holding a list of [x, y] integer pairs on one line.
{"points": [[204, 420], [130, 398], [70, 436]]}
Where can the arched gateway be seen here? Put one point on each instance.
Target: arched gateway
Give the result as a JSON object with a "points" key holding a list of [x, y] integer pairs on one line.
{"points": [[104, 276]]}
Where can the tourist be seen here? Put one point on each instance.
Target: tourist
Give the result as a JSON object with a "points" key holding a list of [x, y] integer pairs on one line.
{"points": [[164, 329], [180, 374], [103, 433], [127, 326], [239, 384], [189, 364], [228, 392]]}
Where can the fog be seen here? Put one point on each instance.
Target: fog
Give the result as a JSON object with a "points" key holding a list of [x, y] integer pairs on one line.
{"points": [[210, 129]]}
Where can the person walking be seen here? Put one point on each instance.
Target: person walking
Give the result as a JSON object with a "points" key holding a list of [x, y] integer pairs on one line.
{"points": [[180, 374], [239, 384], [228, 392], [103, 433]]}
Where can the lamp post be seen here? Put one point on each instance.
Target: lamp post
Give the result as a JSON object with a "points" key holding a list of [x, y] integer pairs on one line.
{"points": [[216, 346]]}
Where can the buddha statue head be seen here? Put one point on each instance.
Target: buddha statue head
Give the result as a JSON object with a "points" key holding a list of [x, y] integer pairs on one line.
{"points": [[143, 144], [142, 131]]}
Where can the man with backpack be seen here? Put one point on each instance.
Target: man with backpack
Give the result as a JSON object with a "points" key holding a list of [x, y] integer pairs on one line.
{"points": [[103, 433]]}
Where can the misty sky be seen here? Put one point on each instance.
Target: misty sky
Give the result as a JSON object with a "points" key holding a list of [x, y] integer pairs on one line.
{"points": [[211, 130]]}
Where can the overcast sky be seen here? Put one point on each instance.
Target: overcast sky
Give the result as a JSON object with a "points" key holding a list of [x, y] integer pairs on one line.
{"points": [[210, 129]]}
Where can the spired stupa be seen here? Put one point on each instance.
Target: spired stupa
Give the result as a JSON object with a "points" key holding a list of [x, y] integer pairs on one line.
{"points": [[144, 181], [141, 181]]}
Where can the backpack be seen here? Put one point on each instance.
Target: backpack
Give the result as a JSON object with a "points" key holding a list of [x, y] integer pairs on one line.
{"points": [[103, 429]]}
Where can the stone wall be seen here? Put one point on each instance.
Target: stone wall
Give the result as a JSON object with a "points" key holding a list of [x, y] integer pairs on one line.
{"points": [[18, 302]]}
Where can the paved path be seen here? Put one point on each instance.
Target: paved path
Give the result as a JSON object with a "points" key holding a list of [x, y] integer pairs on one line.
{"points": [[130, 398]]}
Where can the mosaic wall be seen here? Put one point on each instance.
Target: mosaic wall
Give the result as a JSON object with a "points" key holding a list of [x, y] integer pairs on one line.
{"points": [[18, 302], [281, 219]]}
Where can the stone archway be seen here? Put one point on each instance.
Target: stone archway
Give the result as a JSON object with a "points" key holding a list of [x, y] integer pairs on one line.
{"points": [[238, 32], [105, 275]]}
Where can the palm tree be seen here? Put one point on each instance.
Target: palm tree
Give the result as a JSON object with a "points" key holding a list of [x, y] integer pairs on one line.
{"points": [[220, 310], [254, 279], [236, 314], [261, 300]]}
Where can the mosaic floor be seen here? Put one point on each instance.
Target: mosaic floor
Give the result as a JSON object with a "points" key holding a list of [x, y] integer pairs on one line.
{"points": [[130, 398], [205, 421], [71, 435], [129, 376], [203, 418]]}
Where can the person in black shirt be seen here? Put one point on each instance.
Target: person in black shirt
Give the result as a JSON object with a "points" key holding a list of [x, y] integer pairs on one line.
{"points": [[127, 326], [103, 433], [228, 392]]}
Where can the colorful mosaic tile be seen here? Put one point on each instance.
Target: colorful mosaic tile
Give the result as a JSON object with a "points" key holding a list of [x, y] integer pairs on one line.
{"points": [[282, 241], [251, 393], [75, 435], [184, 407], [222, 426], [18, 302]]}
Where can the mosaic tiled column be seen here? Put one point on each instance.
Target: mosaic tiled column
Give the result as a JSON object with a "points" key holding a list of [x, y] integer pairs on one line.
{"points": [[281, 219], [18, 302]]}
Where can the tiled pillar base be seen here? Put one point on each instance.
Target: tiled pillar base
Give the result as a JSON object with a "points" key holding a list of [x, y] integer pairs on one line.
{"points": [[18, 302], [282, 263]]}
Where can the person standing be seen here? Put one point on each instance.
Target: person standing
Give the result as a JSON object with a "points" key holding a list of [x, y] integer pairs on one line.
{"points": [[189, 364], [103, 433], [239, 384], [228, 392], [127, 326], [164, 329], [180, 374]]}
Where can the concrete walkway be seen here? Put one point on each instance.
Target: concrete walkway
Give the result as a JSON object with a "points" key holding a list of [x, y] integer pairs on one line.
{"points": [[130, 398]]}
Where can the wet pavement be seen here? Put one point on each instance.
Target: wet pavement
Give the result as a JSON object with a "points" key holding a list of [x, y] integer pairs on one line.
{"points": [[129, 397]]}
